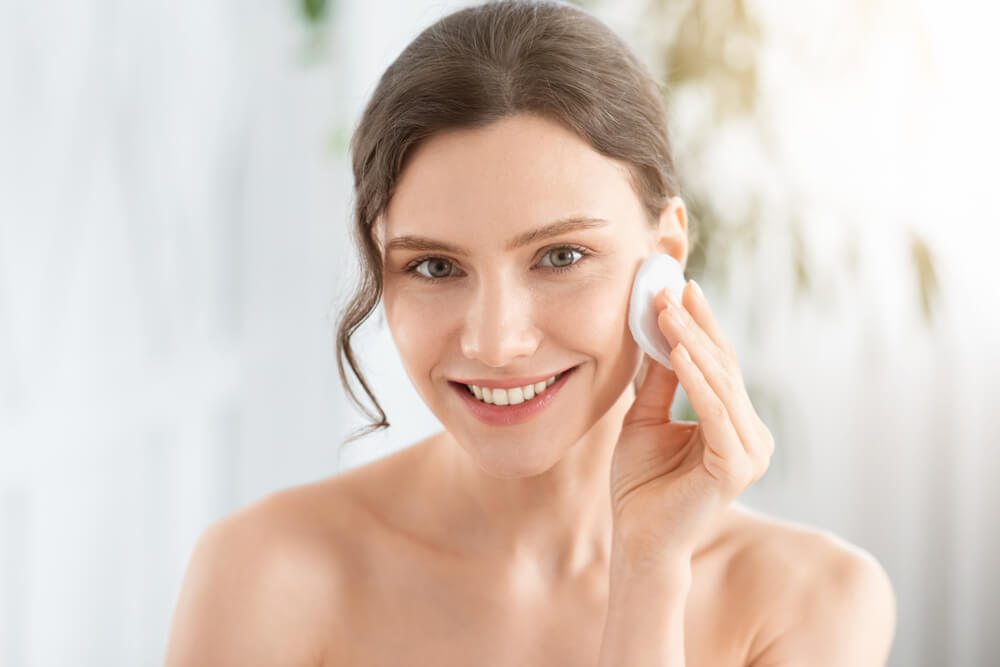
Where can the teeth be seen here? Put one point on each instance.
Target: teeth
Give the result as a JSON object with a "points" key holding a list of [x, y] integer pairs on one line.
{"points": [[514, 395]]}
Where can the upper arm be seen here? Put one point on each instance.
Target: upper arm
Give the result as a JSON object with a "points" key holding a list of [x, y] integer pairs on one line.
{"points": [[248, 598], [846, 619]]}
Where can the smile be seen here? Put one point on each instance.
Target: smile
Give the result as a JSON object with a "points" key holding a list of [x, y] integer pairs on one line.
{"points": [[505, 407]]}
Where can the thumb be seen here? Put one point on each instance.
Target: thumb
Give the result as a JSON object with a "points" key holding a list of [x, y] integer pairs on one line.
{"points": [[655, 395]]}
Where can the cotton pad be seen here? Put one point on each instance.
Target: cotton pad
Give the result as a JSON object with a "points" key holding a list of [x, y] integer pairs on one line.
{"points": [[659, 270]]}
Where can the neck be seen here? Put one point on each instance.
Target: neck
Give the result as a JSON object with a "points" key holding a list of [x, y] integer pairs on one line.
{"points": [[554, 525]]}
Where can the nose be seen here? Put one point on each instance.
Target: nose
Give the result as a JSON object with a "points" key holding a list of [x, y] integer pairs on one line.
{"points": [[499, 325]]}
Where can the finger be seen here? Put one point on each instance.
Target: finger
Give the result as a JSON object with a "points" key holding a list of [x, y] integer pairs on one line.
{"points": [[725, 456], [667, 301], [753, 432], [698, 309], [655, 395], [719, 370], [697, 305]]}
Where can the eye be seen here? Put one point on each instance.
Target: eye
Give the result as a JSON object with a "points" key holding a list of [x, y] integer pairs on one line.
{"points": [[562, 252], [436, 263], [440, 267]]}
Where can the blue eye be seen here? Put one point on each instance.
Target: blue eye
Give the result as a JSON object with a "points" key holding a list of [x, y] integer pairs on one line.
{"points": [[411, 268]]}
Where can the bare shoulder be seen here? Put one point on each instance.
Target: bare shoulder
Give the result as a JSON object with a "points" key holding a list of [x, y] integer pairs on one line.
{"points": [[260, 585], [823, 600]]}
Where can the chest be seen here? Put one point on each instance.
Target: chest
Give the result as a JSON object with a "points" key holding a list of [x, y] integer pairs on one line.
{"points": [[446, 618]]}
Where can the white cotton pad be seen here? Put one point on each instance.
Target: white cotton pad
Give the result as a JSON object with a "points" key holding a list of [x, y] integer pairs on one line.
{"points": [[659, 270]]}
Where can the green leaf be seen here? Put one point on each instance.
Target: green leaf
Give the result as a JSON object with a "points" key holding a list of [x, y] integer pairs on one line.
{"points": [[314, 10]]}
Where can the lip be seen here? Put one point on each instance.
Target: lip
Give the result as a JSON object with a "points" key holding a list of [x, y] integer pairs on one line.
{"points": [[508, 415], [508, 383]]}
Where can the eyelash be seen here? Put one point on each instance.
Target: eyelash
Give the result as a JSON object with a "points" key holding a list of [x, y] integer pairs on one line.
{"points": [[412, 266]]}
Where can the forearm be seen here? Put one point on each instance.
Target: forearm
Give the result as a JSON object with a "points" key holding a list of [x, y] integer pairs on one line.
{"points": [[645, 617]]}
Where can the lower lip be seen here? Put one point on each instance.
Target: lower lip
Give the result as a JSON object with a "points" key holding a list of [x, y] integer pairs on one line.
{"points": [[508, 415]]}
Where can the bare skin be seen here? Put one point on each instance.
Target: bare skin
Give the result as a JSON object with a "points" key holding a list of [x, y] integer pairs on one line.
{"points": [[359, 568], [407, 595], [492, 545]]}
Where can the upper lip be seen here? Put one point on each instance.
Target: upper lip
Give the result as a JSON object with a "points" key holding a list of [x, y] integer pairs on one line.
{"points": [[509, 383]]}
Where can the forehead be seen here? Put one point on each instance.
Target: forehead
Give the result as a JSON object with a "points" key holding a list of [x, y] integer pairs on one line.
{"points": [[512, 175]]}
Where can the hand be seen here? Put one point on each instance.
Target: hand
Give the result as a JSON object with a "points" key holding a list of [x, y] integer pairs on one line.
{"points": [[671, 480]]}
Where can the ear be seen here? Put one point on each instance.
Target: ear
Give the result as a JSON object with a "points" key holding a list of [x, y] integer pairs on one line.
{"points": [[671, 235]]}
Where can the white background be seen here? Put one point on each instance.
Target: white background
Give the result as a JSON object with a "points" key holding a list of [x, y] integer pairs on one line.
{"points": [[174, 206]]}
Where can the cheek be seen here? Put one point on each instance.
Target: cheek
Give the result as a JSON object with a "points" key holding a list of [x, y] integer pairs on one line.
{"points": [[596, 325], [591, 313], [414, 327]]}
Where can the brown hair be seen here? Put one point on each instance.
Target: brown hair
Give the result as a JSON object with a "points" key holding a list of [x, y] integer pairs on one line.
{"points": [[479, 65]]}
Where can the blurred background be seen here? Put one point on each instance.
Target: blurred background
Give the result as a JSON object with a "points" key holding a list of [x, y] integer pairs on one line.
{"points": [[175, 199]]}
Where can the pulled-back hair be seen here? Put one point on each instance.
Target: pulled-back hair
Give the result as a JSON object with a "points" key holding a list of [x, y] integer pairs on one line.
{"points": [[482, 64]]}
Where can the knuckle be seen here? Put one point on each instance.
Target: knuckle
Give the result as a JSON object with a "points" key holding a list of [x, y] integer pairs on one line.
{"points": [[760, 472], [661, 319], [729, 363], [735, 473], [729, 382], [664, 321], [744, 474], [765, 462], [768, 439]]}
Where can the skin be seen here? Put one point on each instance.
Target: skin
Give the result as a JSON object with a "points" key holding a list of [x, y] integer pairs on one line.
{"points": [[532, 498], [497, 545], [541, 486]]}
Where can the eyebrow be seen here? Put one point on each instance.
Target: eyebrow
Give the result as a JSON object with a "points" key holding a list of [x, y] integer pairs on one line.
{"points": [[563, 226]]}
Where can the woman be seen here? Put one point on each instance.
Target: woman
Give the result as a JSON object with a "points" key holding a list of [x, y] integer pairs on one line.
{"points": [[512, 171]]}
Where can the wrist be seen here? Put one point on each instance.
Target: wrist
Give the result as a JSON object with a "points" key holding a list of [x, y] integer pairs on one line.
{"points": [[672, 569]]}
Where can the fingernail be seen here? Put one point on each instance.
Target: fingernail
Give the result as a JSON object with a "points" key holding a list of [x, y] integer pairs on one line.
{"points": [[697, 290], [672, 298]]}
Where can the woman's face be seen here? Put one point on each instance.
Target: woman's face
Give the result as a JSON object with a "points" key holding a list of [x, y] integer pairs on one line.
{"points": [[501, 311]]}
